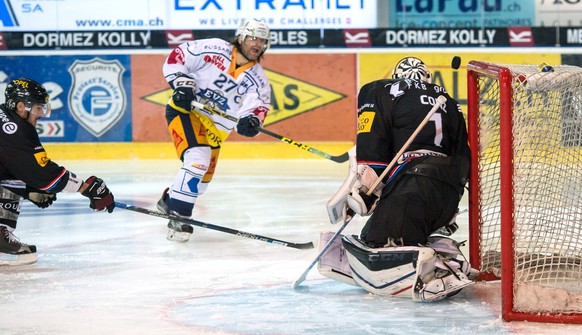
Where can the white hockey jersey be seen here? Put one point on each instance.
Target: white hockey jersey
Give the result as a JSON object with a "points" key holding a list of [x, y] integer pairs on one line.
{"points": [[220, 84]]}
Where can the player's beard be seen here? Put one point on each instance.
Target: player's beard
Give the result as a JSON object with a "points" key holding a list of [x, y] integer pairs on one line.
{"points": [[251, 53]]}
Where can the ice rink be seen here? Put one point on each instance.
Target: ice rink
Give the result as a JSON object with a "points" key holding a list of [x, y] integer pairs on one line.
{"points": [[100, 273]]}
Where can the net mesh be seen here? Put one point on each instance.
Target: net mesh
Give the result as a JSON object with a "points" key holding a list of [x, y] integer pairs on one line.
{"points": [[547, 185]]}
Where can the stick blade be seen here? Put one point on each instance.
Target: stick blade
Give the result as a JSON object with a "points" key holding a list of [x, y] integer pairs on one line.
{"points": [[307, 245], [341, 158], [296, 285]]}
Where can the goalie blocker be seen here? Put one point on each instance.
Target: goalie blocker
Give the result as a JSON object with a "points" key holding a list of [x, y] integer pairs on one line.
{"points": [[427, 274]]}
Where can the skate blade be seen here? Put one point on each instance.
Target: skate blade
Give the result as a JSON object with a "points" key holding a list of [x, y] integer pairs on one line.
{"points": [[13, 260]]}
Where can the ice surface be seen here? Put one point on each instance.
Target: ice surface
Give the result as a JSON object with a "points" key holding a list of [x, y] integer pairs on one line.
{"points": [[116, 273]]}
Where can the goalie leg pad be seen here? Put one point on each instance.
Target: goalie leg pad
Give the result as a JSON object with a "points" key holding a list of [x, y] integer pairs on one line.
{"points": [[334, 263], [384, 271]]}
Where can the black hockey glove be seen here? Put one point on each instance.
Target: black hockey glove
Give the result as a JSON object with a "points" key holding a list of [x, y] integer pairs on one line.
{"points": [[247, 126], [184, 92], [99, 195], [41, 199]]}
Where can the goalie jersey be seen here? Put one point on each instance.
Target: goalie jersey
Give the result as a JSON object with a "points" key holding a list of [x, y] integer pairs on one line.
{"points": [[389, 111], [237, 91]]}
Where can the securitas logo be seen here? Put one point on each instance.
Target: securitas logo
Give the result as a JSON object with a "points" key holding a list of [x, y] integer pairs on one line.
{"points": [[7, 16]]}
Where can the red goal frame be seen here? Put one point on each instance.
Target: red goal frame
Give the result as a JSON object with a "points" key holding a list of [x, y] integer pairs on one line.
{"points": [[475, 69]]}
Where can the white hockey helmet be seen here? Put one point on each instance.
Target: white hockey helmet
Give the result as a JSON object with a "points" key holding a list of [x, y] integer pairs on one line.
{"points": [[412, 68], [255, 29]]}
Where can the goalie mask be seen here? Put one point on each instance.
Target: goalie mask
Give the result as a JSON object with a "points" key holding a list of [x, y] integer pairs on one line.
{"points": [[412, 68], [254, 29]]}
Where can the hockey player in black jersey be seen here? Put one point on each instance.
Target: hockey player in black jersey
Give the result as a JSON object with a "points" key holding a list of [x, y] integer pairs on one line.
{"points": [[423, 190], [26, 172], [395, 252]]}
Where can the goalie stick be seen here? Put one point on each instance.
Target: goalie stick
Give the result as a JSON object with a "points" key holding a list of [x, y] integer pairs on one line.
{"points": [[307, 245], [338, 159]]}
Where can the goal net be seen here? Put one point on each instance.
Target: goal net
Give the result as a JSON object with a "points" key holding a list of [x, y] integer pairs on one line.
{"points": [[525, 199]]}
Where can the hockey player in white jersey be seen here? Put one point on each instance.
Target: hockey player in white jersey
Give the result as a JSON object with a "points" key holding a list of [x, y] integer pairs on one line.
{"points": [[227, 76]]}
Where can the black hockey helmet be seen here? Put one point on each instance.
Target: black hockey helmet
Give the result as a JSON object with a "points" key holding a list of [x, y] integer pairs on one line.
{"points": [[28, 91], [412, 68]]}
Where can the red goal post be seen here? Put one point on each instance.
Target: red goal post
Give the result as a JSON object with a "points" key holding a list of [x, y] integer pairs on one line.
{"points": [[525, 188]]}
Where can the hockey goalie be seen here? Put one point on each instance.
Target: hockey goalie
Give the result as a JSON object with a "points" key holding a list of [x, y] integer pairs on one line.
{"points": [[407, 172]]}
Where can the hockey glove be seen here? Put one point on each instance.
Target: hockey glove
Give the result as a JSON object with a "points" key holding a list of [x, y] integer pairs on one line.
{"points": [[184, 92], [358, 199], [99, 195], [247, 126], [41, 199]]}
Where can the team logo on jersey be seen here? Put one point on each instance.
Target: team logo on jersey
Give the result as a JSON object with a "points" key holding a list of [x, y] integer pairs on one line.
{"points": [[176, 57], [214, 99], [97, 98], [244, 86], [9, 128]]}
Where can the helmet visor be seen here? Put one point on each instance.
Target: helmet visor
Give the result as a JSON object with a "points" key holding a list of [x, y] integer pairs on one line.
{"points": [[41, 109]]}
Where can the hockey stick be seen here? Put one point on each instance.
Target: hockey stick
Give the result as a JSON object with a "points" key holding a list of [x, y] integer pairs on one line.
{"points": [[303, 276], [338, 159], [440, 100], [307, 245]]}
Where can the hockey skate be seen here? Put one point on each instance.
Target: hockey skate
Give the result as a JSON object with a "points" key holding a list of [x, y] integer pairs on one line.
{"points": [[444, 284], [177, 231], [13, 252]]}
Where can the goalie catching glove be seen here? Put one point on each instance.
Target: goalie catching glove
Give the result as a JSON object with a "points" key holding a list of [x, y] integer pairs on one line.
{"points": [[184, 92], [99, 195]]}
